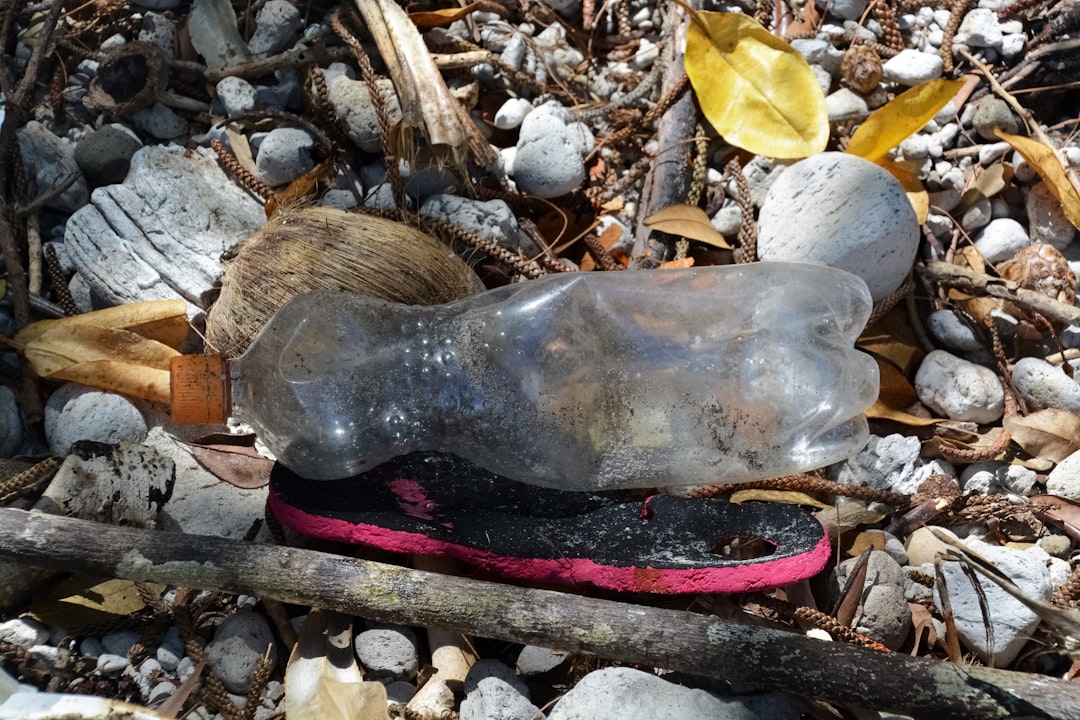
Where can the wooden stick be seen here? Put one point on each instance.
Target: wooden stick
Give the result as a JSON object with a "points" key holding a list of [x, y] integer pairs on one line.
{"points": [[970, 281], [688, 642]]}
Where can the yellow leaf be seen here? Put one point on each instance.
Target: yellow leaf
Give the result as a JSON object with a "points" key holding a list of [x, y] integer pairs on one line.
{"points": [[894, 395], [785, 497], [63, 347], [755, 89], [688, 221], [161, 320], [120, 377], [1048, 165], [441, 18], [904, 115]]}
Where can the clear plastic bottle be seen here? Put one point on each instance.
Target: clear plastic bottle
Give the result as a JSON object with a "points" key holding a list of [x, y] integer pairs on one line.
{"points": [[578, 381]]}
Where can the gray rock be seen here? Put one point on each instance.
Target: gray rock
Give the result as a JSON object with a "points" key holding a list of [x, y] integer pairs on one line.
{"points": [[160, 235], [284, 155], [161, 122], [535, 660], [238, 644], [388, 651], [90, 647], [171, 650], [884, 613], [992, 477], [76, 412], [890, 463], [494, 692], [1013, 622], [977, 216], [548, 162], [952, 332], [119, 642], [104, 155], [1044, 385], [24, 632], [821, 53], [11, 429], [159, 30], [1001, 239], [491, 220], [277, 26], [352, 103], [1047, 222], [400, 692], [1064, 480], [50, 162], [848, 9], [841, 210], [991, 113], [958, 389], [109, 664], [621, 693], [237, 95], [845, 105], [912, 67]]}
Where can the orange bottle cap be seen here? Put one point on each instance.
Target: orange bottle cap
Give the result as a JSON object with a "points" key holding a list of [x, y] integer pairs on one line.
{"points": [[200, 389]]}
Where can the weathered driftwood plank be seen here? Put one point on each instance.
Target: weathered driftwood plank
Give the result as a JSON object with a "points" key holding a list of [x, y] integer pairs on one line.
{"points": [[689, 642]]}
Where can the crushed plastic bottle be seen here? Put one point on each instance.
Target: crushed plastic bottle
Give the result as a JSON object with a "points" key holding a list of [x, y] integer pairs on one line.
{"points": [[578, 381]]}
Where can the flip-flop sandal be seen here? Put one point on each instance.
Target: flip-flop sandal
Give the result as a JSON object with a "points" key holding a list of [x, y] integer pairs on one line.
{"points": [[436, 504]]}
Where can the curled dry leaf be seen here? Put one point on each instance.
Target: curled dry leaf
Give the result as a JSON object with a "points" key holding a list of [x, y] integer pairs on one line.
{"points": [[787, 497], [237, 465], [688, 221], [755, 89], [443, 17], [161, 320], [1045, 161], [902, 116], [1051, 434], [1060, 511]]}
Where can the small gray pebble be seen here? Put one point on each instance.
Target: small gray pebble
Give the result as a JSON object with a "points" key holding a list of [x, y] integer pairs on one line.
{"points": [[494, 692], [90, 647], [388, 651], [24, 632], [890, 463], [400, 692], [548, 161], [11, 430], [884, 613], [1001, 239], [992, 113], [284, 155], [161, 122], [238, 644], [160, 692], [992, 477], [237, 95], [160, 30], [977, 216], [534, 660], [952, 332], [119, 642], [1044, 385], [110, 664], [958, 389], [1046, 219], [351, 101], [277, 25], [104, 155], [76, 412]]}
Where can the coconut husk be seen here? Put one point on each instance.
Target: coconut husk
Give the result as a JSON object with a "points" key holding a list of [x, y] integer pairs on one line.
{"points": [[314, 248]]}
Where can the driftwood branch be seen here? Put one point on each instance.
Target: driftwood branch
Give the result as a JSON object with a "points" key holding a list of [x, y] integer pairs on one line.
{"points": [[688, 642], [943, 273]]}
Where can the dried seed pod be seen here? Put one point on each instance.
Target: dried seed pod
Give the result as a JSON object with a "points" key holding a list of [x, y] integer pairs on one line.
{"points": [[1042, 268], [861, 68], [304, 249]]}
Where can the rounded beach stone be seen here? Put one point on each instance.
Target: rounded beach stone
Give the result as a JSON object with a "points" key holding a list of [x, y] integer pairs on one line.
{"points": [[76, 412], [1001, 239], [959, 389], [548, 160], [1043, 385], [841, 210], [238, 644], [284, 155], [388, 651]]}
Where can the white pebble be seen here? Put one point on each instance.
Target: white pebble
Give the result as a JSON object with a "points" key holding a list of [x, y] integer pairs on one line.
{"points": [[24, 632], [980, 29], [1064, 480], [1001, 239], [958, 389], [236, 95], [840, 210], [1046, 218], [912, 67], [845, 104], [548, 163], [992, 477], [1043, 385], [646, 54], [512, 113], [1012, 45], [109, 664], [76, 412]]}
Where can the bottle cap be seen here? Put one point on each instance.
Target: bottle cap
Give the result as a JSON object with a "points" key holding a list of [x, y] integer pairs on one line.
{"points": [[200, 389]]}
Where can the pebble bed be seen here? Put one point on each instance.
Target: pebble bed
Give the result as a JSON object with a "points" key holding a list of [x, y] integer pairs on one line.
{"points": [[146, 213]]}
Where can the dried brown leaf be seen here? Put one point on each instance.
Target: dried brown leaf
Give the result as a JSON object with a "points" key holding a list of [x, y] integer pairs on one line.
{"points": [[1052, 434], [687, 221], [443, 17], [235, 464], [787, 497], [1060, 511]]}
